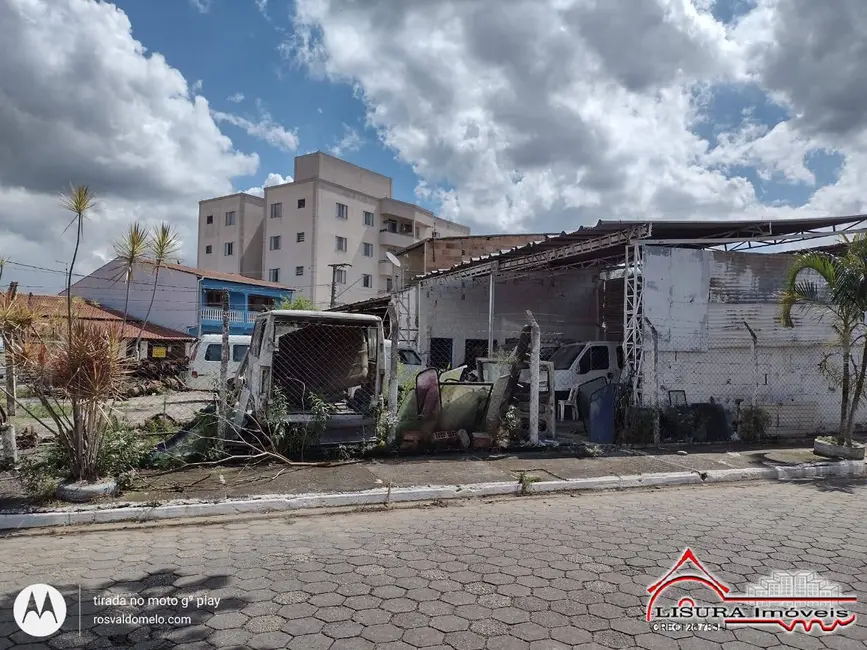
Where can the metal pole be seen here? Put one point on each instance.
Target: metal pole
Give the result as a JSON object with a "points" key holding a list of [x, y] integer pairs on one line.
{"points": [[334, 268], [754, 340], [491, 309], [393, 383], [222, 411], [535, 344], [9, 355]]}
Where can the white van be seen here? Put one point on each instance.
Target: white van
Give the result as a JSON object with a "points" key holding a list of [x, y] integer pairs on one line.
{"points": [[579, 363], [409, 363], [204, 372]]}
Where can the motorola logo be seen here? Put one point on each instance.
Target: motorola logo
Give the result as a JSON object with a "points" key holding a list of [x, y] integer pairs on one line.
{"points": [[39, 610]]}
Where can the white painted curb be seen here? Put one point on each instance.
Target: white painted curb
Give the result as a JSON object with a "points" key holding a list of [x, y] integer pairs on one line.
{"points": [[133, 512]]}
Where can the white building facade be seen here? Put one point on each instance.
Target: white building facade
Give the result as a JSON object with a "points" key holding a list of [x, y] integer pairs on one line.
{"points": [[333, 213]]}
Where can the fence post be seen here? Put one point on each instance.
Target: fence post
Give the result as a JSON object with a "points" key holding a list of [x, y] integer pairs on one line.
{"points": [[535, 345], [222, 411], [9, 357], [654, 369], [393, 383], [754, 341]]}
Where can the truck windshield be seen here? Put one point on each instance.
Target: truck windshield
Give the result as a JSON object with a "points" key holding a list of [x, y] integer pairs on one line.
{"points": [[565, 356]]}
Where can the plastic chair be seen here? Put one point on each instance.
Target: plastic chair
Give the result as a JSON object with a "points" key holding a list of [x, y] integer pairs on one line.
{"points": [[571, 402]]}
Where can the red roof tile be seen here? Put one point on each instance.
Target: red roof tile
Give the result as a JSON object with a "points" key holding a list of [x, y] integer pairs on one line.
{"points": [[55, 307], [217, 275]]}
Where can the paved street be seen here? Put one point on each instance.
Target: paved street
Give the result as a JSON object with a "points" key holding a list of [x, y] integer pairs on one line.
{"points": [[523, 573]]}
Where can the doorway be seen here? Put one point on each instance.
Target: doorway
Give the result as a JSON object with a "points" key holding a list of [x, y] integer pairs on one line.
{"points": [[475, 349]]}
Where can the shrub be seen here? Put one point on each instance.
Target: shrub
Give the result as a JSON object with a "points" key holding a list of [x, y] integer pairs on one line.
{"points": [[753, 423]]}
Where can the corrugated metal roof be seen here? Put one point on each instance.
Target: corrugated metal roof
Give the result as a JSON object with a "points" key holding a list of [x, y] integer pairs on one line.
{"points": [[732, 229]]}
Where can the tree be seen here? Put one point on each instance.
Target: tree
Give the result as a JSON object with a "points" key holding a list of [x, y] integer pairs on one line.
{"points": [[299, 303], [131, 249], [839, 291], [162, 244]]}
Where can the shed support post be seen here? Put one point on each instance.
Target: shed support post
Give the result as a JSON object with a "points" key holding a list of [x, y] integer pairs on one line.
{"points": [[754, 340], [492, 284], [654, 370], [535, 345]]}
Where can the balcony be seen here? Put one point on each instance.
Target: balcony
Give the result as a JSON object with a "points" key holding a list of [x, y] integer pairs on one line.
{"points": [[236, 316], [396, 239]]}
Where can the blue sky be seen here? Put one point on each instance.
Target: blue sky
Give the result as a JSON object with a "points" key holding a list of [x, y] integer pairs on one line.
{"points": [[234, 48]]}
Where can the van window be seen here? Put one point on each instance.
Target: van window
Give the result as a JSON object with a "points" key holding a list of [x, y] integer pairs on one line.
{"points": [[619, 356], [257, 336], [238, 352], [565, 356], [213, 352], [595, 359], [409, 357]]}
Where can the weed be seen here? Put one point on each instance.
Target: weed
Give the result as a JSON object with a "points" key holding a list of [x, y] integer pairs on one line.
{"points": [[753, 423], [525, 481]]}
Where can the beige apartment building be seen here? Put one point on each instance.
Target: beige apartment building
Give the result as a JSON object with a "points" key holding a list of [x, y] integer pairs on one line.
{"points": [[334, 212]]}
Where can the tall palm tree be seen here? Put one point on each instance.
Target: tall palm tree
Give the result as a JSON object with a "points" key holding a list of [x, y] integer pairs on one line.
{"points": [[79, 201], [163, 243], [132, 248], [841, 292]]}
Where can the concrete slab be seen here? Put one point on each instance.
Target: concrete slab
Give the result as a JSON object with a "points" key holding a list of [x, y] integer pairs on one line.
{"points": [[408, 473]]}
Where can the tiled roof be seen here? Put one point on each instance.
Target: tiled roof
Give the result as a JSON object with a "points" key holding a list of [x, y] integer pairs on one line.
{"points": [[55, 307], [225, 277]]}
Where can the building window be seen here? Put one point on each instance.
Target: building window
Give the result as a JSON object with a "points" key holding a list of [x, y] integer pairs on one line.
{"points": [[342, 211], [368, 218], [209, 219], [299, 270], [417, 232], [368, 250], [274, 243], [341, 243], [340, 276], [229, 248], [391, 226], [302, 203], [388, 284], [276, 210], [273, 275], [208, 250], [367, 280], [299, 237], [230, 218]]}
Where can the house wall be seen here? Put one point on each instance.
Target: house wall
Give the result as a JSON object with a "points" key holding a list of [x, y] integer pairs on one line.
{"points": [[565, 307], [328, 168], [700, 303], [292, 253], [437, 254], [175, 303]]}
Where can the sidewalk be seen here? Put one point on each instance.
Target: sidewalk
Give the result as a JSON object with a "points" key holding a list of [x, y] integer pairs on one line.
{"points": [[420, 478]]}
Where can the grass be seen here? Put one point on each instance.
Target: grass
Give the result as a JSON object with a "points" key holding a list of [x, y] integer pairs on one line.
{"points": [[39, 411]]}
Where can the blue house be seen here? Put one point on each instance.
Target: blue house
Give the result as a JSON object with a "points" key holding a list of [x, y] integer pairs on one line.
{"points": [[185, 299]]}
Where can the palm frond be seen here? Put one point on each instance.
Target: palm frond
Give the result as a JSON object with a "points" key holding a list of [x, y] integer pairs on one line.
{"points": [[164, 242], [132, 248], [78, 200]]}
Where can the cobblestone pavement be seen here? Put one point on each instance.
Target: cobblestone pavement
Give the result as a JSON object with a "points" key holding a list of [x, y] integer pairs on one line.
{"points": [[526, 573]]}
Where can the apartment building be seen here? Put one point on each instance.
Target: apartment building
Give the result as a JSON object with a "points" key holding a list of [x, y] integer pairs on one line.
{"points": [[333, 213], [230, 235]]}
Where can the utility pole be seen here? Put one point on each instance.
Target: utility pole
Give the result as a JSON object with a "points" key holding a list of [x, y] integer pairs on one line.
{"points": [[223, 409], [9, 354], [334, 269]]}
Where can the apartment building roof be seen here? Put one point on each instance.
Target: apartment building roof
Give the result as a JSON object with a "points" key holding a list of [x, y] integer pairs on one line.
{"points": [[47, 306], [229, 196], [218, 275]]}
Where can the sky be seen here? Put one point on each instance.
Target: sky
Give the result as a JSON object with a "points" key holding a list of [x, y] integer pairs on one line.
{"points": [[505, 115]]}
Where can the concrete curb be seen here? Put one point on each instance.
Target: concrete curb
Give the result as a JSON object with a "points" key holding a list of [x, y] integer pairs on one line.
{"points": [[133, 512]]}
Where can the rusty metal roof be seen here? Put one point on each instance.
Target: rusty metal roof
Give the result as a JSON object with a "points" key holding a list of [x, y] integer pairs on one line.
{"points": [[609, 247]]}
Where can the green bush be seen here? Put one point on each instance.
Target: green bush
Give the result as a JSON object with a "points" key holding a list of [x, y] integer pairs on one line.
{"points": [[753, 424]]}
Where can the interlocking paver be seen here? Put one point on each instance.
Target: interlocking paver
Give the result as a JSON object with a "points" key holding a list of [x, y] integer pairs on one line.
{"points": [[528, 574]]}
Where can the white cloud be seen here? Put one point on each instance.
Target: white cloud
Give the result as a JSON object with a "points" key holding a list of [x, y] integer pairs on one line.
{"points": [[93, 108], [197, 85], [546, 114], [202, 6], [271, 180], [262, 6], [237, 98], [265, 128], [351, 141]]}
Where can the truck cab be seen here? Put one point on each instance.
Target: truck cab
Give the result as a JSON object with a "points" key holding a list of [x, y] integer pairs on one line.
{"points": [[579, 363]]}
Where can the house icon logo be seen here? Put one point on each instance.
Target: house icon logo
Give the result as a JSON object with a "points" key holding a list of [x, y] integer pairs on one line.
{"points": [[39, 610]]}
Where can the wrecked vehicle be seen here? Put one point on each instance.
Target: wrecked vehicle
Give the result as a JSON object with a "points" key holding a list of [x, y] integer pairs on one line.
{"points": [[315, 369]]}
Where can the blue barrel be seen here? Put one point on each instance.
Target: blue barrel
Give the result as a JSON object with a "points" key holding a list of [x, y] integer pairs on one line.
{"points": [[602, 415]]}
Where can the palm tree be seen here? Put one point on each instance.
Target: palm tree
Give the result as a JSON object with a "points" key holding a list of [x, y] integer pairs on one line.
{"points": [[131, 249], [841, 292], [162, 244], [79, 201]]}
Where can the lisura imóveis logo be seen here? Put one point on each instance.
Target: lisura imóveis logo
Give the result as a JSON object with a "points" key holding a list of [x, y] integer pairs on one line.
{"points": [[791, 600]]}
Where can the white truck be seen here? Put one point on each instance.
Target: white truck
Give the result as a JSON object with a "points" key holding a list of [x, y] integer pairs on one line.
{"points": [[578, 363], [299, 359], [204, 370]]}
